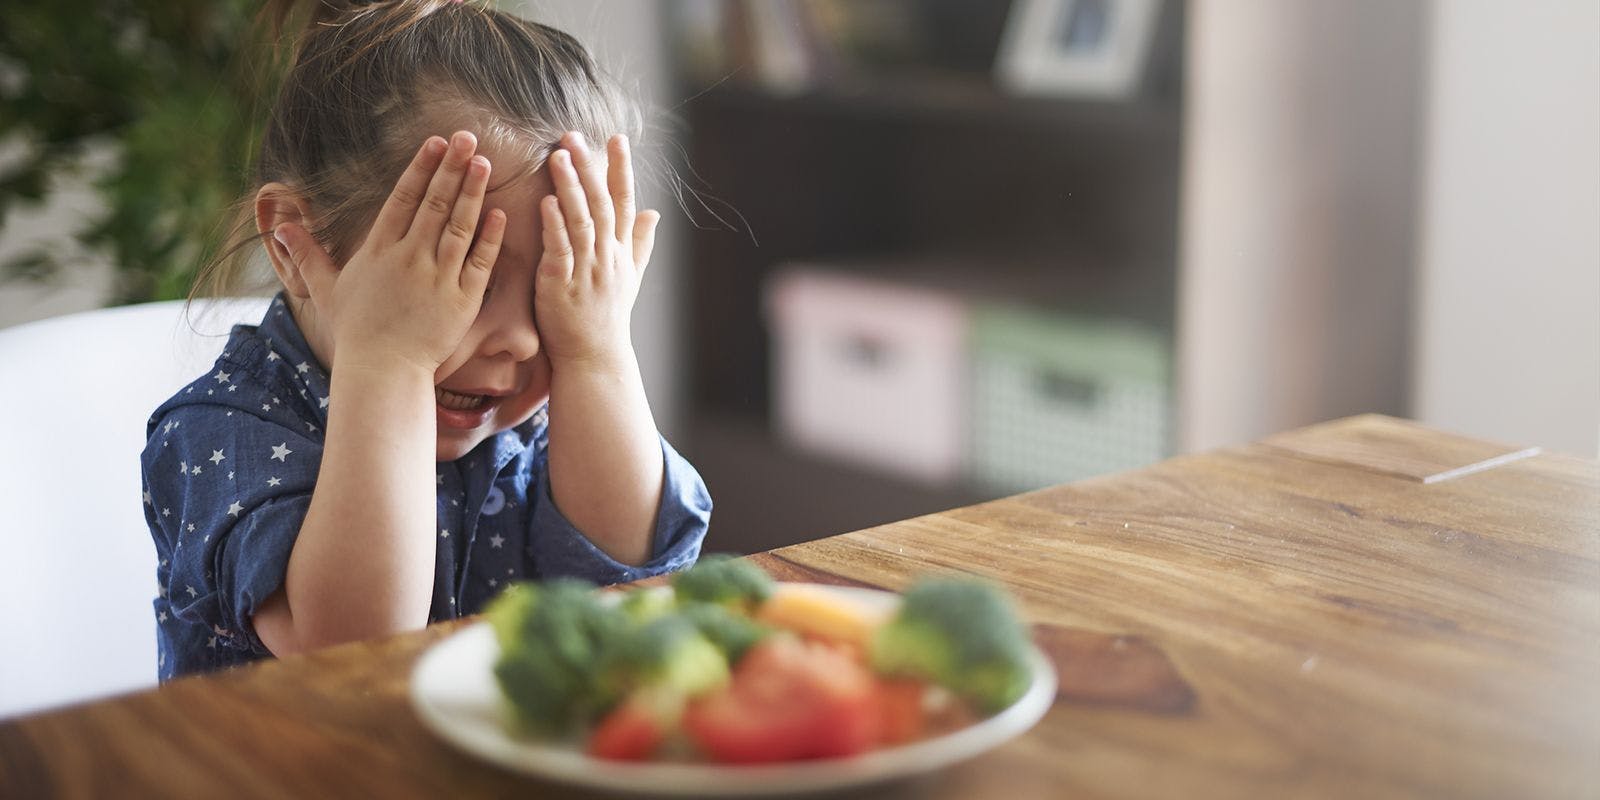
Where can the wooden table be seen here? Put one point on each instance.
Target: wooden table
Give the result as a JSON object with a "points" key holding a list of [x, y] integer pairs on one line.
{"points": [[1364, 608]]}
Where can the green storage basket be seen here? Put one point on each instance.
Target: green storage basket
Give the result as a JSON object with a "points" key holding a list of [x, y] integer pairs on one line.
{"points": [[1057, 398]]}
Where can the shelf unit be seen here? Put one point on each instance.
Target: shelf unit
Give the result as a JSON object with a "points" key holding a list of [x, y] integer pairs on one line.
{"points": [[929, 175]]}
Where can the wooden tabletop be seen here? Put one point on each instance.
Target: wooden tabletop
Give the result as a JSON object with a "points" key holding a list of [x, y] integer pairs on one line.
{"points": [[1364, 608]]}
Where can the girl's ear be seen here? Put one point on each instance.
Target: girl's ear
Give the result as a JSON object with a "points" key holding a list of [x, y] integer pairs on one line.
{"points": [[276, 204]]}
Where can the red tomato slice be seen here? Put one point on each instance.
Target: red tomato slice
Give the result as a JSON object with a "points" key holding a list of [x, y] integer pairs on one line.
{"points": [[904, 718], [631, 732], [789, 699]]}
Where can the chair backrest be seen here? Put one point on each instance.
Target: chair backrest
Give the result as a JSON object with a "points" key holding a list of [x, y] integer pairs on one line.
{"points": [[77, 574]]}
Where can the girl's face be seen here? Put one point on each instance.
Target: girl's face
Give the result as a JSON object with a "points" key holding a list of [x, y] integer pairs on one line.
{"points": [[499, 374]]}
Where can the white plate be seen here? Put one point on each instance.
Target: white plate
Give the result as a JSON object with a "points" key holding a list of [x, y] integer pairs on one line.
{"points": [[454, 692]]}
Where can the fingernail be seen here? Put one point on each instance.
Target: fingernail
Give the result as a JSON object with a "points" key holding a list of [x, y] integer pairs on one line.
{"points": [[577, 140]]}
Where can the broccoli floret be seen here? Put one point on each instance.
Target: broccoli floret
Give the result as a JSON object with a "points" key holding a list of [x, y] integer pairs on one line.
{"points": [[550, 636], [722, 578], [643, 605], [511, 611], [668, 653], [960, 634], [732, 633]]}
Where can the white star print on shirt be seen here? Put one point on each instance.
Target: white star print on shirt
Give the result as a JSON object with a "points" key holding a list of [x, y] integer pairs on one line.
{"points": [[233, 510], [195, 470], [216, 457], [302, 367], [192, 592], [273, 481], [496, 540], [222, 377], [281, 452]]}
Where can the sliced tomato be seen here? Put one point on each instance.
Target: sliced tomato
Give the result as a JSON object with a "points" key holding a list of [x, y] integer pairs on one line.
{"points": [[789, 699], [635, 729], [904, 718]]}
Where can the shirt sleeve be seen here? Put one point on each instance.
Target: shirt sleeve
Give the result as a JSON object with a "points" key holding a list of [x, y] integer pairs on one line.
{"points": [[228, 492], [559, 548]]}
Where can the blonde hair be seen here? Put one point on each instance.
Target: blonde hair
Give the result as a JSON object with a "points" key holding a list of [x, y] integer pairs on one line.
{"points": [[366, 81]]}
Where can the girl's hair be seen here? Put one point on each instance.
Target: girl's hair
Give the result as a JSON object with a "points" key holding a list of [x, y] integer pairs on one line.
{"points": [[370, 81]]}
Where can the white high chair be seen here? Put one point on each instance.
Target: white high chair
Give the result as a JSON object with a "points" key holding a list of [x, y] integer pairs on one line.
{"points": [[77, 565]]}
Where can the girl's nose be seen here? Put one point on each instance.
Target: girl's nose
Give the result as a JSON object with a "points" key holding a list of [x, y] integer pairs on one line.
{"points": [[511, 331]]}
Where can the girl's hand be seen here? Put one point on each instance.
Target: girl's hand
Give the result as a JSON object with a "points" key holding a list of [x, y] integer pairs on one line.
{"points": [[412, 290], [596, 248]]}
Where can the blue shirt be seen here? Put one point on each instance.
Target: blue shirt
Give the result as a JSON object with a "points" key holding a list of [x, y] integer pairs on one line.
{"points": [[229, 468]]}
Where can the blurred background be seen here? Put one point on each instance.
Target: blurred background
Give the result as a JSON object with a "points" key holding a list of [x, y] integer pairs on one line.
{"points": [[931, 252]]}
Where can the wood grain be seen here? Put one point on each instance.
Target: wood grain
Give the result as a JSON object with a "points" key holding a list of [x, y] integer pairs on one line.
{"points": [[1396, 447], [1299, 626]]}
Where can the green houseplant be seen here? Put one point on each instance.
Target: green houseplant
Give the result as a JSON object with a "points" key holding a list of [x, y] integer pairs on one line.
{"points": [[175, 87]]}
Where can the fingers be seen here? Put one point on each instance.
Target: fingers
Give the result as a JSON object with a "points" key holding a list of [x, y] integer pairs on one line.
{"points": [[463, 222], [312, 263], [395, 218], [573, 206], [480, 263], [591, 169], [644, 238], [440, 198], [619, 177], [557, 263]]}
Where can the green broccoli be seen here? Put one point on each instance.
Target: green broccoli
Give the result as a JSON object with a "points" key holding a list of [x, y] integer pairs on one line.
{"points": [[550, 636], [731, 632], [667, 653], [724, 579], [960, 634], [643, 605]]}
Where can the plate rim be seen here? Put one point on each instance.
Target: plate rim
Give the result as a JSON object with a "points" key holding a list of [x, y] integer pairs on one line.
{"points": [[562, 764]]}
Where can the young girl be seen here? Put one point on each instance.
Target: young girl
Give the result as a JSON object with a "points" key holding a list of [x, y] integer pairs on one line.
{"points": [[443, 398]]}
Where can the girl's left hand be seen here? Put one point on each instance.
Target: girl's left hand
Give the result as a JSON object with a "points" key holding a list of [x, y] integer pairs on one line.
{"points": [[596, 247]]}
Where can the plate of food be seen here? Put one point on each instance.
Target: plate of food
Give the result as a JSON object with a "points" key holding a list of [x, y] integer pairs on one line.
{"points": [[728, 683]]}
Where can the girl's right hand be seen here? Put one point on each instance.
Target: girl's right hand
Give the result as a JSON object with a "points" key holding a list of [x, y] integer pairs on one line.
{"points": [[410, 292]]}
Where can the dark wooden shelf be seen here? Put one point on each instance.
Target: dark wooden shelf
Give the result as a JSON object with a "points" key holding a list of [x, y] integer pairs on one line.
{"points": [[927, 175], [769, 495], [936, 98]]}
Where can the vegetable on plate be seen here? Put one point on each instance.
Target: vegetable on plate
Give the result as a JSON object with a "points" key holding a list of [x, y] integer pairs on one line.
{"points": [[727, 665]]}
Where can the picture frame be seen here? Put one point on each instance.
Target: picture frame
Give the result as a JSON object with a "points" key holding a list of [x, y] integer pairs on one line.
{"points": [[1077, 48]]}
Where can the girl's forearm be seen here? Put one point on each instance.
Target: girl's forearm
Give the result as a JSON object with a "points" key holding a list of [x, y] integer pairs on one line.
{"points": [[605, 455], [364, 560]]}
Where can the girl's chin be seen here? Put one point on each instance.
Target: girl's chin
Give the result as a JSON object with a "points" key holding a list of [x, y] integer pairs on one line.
{"points": [[451, 447]]}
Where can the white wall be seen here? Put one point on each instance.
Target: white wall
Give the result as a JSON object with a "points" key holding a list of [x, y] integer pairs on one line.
{"points": [[1508, 329], [72, 201], [1297, 222]]}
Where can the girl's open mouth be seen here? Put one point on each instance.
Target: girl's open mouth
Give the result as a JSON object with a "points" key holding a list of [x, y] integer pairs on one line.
{"points": [[462, 411]]}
